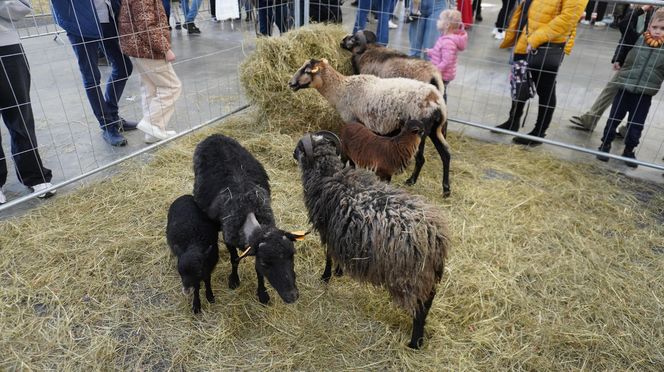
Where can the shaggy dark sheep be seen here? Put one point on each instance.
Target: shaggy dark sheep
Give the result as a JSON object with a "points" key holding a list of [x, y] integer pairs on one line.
{"points": [[377, 233], [193, 239], [374, 59], [386, 156], [382, 105], [232, 187]]}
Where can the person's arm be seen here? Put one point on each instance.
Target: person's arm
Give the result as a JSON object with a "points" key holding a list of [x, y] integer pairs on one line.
{"points": [[629, 34], [561, 25], [435, 53]]}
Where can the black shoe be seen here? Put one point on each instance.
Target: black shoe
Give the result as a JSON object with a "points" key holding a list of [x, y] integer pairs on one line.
{"points": [[249, 17], [478, 17], [526, 142], [508, 125], [630, 154], [192, 29], [604, 148], [178, 26], [127, 125]]}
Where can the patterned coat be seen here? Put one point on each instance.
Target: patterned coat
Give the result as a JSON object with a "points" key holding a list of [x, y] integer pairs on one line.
{"points": [[143, 29], [548, 21]]}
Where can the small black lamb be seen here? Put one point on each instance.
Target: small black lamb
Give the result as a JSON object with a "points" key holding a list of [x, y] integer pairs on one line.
{"points": [[232, 187], [377, 233], [193, 239]]}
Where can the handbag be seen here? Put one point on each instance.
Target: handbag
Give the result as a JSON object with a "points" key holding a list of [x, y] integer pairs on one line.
{"points": [[547, 57], [522, 87], [14, 10]]}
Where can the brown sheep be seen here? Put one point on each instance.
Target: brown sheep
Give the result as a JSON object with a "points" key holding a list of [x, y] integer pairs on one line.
{"points": [[386, 156]]}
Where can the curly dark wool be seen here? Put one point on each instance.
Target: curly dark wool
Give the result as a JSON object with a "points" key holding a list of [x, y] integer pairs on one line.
{"points": [[377, 233]]}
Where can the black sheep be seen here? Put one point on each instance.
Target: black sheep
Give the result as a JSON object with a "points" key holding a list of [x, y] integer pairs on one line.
{"points": [[232, 187], [193, 239]]}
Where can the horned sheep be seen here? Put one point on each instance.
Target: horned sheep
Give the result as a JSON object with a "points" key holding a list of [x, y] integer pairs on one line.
{"points": [[232, 187], [371, 58], [377, 233], [382, 105], [386, 156]]}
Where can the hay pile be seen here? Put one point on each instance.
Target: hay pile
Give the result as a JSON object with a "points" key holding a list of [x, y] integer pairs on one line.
{"points": [[265, 75], [554, 266]]}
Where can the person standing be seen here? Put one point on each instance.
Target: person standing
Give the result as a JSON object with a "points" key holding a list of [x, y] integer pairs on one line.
{"points": [[503, 19], [384, 9], [453, 39], [144, 36], [423, 31], [270, 12], [90, 25], [541, 32], [15, 106], [190, 12]]}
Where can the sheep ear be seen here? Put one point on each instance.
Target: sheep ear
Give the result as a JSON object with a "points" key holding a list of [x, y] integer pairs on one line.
{"points": [[315, 70], [247, 252], [324, 61], [296, 235], [370, 36]]}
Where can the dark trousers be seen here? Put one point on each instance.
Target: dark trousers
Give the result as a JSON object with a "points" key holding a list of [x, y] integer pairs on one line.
{"points": [[17, 115], [213, 8], [269, 12], [545, 85], [638, 106], [104, 106], [601, 10], [503, 19], [167, 8]]}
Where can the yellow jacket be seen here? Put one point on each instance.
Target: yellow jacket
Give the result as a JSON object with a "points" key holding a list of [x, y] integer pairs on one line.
{"points": [[548, 21]]}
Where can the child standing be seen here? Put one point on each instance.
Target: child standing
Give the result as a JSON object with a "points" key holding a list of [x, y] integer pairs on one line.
{"points": [[453, 39], [144, 36], [640, 77]]}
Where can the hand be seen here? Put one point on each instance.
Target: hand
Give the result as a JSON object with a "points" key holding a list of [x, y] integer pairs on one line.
{"points": [[616, 66], [646, 7], [529, 48], [170, 56]]}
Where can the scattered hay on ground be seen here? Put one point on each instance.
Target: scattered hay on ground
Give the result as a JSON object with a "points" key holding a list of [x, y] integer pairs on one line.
{"points": [[265, 74], [555, 266]]}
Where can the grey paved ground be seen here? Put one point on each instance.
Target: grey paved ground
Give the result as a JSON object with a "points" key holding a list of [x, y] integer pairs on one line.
{"points": [[71, 144]]}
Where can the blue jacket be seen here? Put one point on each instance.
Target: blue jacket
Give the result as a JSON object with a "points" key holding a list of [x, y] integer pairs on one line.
{"points": [[69, 14]]}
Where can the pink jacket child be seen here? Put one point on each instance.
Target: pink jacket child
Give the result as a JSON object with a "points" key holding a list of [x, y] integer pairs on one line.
{"points": [[453, 39]]}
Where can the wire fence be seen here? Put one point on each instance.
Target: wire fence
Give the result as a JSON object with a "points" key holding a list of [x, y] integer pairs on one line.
{"points": [[478, 98]]}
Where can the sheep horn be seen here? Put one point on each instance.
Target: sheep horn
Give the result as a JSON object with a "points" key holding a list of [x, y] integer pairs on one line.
{"points": [[244, 254], [333, 137], [308, 146]]}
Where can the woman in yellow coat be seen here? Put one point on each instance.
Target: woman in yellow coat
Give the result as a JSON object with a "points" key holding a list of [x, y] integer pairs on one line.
{"points": [[542, 36]]}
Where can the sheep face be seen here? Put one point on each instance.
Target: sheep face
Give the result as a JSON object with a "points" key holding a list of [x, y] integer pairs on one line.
{"points": [[304, 150], [274, 260], [308, 75], [191, 268], [414, 127], [357, 43]]}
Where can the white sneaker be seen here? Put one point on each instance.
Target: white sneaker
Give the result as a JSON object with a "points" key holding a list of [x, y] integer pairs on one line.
{"points": [[585, 22], [392, 25], [500, 35], [3, 199], [155, 131], [600, 24], [152, 139], [494, 31], [41, 187]]}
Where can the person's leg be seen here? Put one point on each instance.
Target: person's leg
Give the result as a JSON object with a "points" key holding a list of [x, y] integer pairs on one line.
{"points": [[589, 119], [213, 4], [383, 30], [417, 31], [477, 10], [264, 19], [87, 57], [185, 9], [190, 17], [545, 84], [601, 10], [18, 117], [167, 9], [363, 8], [121, 70], [622, 103], [590, 7], [281, 17], [431, 32], [635, 122], [162, 87]]}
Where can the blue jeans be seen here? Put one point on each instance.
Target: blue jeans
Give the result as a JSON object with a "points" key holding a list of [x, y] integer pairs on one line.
{"points": [[269, 12], [638, 106], [190, 12], [167, 8], [423, 32], [104, 106], [384, 9]]}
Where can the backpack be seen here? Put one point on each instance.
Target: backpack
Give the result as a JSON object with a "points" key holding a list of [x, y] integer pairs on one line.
{"points": [[522, 87]]}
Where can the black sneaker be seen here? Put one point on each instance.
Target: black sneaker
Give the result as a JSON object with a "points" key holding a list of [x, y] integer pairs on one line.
{"points": [[526, 141], [630, 154], [508, 125], [178, 25], [604, 148], [192, 29]]}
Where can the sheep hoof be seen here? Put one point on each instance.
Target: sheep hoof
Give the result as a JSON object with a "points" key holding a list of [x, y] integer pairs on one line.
{"points": [[325, 278], [233, 282], [447, 192], [338, 271], [263, 297], [410, 182], [415, 345], [210, 298], [196, 309]]}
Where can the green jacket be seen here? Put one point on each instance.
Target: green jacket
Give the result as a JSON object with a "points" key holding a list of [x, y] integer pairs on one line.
{"points": [[643, 70]]}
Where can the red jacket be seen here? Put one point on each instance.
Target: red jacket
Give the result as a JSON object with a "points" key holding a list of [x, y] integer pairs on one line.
{"points": [[144, 29]]}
